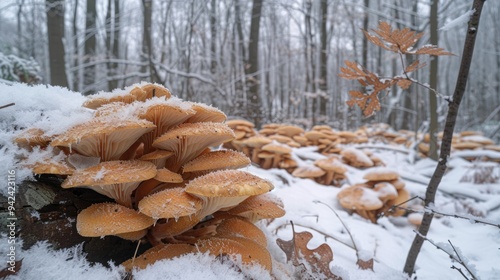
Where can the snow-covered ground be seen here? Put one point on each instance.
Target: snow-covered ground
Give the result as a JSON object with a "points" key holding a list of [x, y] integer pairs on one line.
{"points": [[308, 205]]}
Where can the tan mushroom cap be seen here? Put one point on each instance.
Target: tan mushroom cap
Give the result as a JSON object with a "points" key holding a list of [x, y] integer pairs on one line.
{"points": [[466, 145], [97, 101], [52, 167], [398, 183], [31, 137], [331, 163], [110, 219], [157, 253], [290, 130], [173, 227], [167, 176], [226, 188], [189, 140], [206, 113], [115, 179], [415, 218], [217, 160], [169, 203], [385, 191], [356, 157], [152, 90], [157, 157], [381, 174], [308, 171], [314, 135], [258, 207], [134, 235], [234, 123], [106, 138], [251, 252], [239, 227], [359, 197]]}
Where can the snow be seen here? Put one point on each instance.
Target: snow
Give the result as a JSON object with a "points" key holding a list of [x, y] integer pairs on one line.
{"points": [[461, 20], [387, 242]]}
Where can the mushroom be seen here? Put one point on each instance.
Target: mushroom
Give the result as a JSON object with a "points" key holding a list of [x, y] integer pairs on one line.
{"points": [[32, 137], [106, 138], [205, 113], [149, 90], [361, 199], [249, 251], [166, 176], [381, 174], [216, 160], [262, 206], [157, 157], [157, 253], [290, 130], [189, 140], [331, 165], [308, 171], [239, 227], [279, 150], [114, 179], [169, 203], [111, 219], [256, 143], [356, 158]]}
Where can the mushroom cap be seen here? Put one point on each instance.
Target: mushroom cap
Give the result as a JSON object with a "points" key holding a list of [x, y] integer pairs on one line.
{"points": [[359, 197], [167, 176], [331, 164], [290, 130], [415, 218], [169, 203], [115, 179], [239, 227], [356, 157], [262, 206], [31, 137], [257, 141], [280, 138], [152, 90], [234, 123], [157, 157], [226, 188], [277, 148], [97, 101], [398, 183], [107, 138], [165, 114], [156, 253], [217, 160], [466, 145], [385, 191], [251, 252], [110, 219], [206, 113], [52, 167], [188, 140], [308, 171], [381, 174], [314, 135]]}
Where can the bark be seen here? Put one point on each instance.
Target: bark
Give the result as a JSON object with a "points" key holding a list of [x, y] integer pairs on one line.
{"points": [[113, 40], [323, 84], [213, 38], [55, 27], [147, 45], [254, 107], [90, 47], [451, 117], [433, 82]]}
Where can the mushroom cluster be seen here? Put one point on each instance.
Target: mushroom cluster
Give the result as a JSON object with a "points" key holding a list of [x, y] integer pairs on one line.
{"points": [[151, 153], [375, 197]]}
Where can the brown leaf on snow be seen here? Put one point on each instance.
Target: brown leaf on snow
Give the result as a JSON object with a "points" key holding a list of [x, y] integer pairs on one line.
{"points": [[297, 252], [365, 265], [11, 270]]}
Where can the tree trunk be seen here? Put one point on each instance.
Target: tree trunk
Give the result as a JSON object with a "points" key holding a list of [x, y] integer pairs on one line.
{"points": [[90, 47], [55, 27], [113, 41], [451, 118], [433, 82], [254, 106], [323, 84]]}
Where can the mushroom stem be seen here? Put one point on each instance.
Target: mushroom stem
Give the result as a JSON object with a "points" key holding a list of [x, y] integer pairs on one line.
{"points": [[267, 164]]}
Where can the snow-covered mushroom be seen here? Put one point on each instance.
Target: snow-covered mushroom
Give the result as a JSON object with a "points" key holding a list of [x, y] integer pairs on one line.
{"points": [[331, 165], [308, 171], [249, 251], [361, 199], [149, 91], [169, 203], [189, 140], [381, 174], [213, 161], [107, 138], [32, 137], [356, 158], [258, 207], [112, 219], [279, 150], [157, 253], [114, 179], [255, 143], [290, 130]]}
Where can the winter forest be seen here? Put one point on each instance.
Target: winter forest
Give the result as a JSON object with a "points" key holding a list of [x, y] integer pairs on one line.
{"points": [[225, 139], [279, 62]]}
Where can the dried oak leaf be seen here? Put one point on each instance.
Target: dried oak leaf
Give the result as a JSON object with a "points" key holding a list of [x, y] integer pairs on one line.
{"points": [[11, 270], [404, 83], [431, 50], [297, 252], [398, 41], [369, 103], [415, 66]]}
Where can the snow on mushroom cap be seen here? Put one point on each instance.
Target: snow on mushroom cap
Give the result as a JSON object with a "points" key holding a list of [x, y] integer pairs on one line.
{"points": [[381, 174], [110, 219], [169, 203], [359, 197]]}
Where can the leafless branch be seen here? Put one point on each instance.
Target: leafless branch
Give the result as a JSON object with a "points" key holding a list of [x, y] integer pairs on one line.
{"points": [[8, 105]]}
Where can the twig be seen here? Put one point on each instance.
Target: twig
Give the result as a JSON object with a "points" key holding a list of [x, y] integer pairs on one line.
{"points": [[8, 105], [326, 235], [427, 209], [455, 257]]}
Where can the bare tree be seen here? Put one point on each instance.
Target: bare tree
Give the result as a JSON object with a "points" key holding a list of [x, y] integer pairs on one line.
{"points": [[453, 106], [55, 27], [433, 82], [90, 47], [254, 106]]}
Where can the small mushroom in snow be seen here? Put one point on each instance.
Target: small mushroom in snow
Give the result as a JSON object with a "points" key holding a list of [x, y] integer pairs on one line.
{"points": [[157, 253], [356, 158]]}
